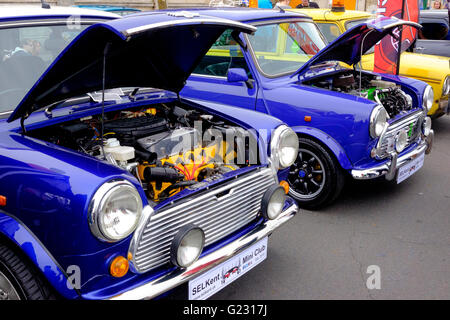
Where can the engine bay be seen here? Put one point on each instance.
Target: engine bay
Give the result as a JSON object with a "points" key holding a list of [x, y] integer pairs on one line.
{"points": [[167, 147], [386, 93]]}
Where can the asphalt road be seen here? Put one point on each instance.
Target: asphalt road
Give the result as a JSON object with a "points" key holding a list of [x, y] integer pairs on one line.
{"points": [[403, 229]]}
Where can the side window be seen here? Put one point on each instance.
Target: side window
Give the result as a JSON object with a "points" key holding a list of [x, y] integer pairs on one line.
{"points": [[223, 55], [329, 30]]}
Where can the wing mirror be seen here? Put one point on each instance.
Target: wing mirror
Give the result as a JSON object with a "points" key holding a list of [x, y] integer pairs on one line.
{"points": [[238, 75]]}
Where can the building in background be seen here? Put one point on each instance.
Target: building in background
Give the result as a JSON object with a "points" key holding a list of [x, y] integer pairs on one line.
{"points": [[365, 5], [138, 4]]}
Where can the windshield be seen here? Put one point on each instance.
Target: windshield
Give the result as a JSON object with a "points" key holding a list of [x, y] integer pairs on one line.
{"points": [[282, 48], [25, 53]]}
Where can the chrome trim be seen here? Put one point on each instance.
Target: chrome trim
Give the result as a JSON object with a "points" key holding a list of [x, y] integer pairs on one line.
{"points": [[401, 23], [388, 130], [389, 168], [6, 112], [167, 282], [240, 197], [50, 22], [275, 145], [205, 21], [97, 202], [428, 90], [375, 112], [429, 139]]}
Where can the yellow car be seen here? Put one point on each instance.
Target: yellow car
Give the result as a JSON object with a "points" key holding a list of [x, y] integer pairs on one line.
{"points": [[432, 69]]}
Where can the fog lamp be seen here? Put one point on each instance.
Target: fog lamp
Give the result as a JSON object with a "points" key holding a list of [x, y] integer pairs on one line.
{"points": [[273, 202], [401, 141], [187, 245]]}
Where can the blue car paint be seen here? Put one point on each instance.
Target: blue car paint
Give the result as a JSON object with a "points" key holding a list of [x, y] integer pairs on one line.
{"points": [[45, 171], [22, 237], [340, 121], [49, 187]]}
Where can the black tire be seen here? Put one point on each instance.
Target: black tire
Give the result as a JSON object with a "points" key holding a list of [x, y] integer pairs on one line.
{"points": [[26, 282], [315, 179]]}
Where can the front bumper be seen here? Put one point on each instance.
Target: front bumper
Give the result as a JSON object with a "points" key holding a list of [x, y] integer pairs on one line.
{"points": [[167, 282], [389, 168]]}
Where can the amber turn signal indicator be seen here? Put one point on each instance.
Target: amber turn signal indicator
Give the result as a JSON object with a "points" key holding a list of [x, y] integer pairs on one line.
{"points": [[285, 186], [2, 201], [308, 118], [119, 267]]}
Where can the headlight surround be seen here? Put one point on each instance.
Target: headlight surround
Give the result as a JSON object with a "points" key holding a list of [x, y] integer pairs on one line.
{"points": [[428, 98], [115, 210], [378, 121], [284, 147], [446, 86]]}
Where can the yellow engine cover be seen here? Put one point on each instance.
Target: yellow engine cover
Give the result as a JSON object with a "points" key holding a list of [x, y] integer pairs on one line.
{"points": [[190, 164]]}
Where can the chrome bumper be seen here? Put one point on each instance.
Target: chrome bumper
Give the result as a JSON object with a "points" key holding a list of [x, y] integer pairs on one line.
{"points": [[167, 282], [389, 168]]}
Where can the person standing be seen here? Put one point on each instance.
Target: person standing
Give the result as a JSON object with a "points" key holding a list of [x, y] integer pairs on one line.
{"points": [[307, 4], [436, 5]]}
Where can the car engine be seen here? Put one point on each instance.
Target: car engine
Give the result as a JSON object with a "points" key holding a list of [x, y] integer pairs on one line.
{"points": [[168, 148], [386, 93]]}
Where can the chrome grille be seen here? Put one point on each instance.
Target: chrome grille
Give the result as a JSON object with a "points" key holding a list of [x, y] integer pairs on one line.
{"points": [[219, 212], [412, 124]]}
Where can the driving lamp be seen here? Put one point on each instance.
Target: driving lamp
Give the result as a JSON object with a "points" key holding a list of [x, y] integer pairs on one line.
{"points": [[401, 141], [273, 202], [187, 245]]}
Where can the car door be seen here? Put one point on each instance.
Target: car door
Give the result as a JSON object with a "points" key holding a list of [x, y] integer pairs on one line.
{"points": [[209, 80]]}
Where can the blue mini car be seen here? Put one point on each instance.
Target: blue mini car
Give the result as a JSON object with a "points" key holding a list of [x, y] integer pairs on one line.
{"points": [[111, 185], [349, 122]]}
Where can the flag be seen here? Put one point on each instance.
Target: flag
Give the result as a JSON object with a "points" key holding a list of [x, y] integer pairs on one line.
{"points": [[388, 50]]}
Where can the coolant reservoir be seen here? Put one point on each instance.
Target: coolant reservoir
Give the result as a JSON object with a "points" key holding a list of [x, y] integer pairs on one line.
{"points": [[118, 152]]}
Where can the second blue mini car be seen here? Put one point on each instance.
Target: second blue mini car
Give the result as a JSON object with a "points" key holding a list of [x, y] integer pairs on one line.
{"points": [[349, 122]]}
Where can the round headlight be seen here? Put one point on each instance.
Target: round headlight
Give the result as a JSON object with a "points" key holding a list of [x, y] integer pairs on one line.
{"points": [[426, 126], [284, 146], [428, 97], [187, 245], [446, 86], [378, 121], [401, 141], [115, 210], [273, 202]]}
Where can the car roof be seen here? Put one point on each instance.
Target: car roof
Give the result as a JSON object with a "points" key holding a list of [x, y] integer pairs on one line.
{"points": [[241, 14], [36, 11], [327, 14]]}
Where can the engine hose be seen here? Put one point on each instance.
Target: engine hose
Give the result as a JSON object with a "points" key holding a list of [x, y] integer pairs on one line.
{"points": [[160, 174]]}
